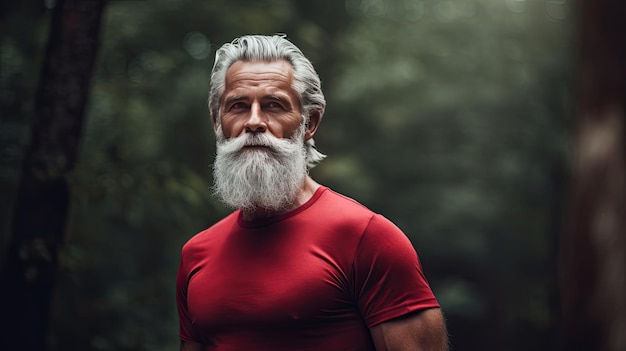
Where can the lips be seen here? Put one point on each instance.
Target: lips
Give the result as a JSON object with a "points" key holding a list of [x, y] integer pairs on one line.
{"points": [[256, 147], [256, 143]]}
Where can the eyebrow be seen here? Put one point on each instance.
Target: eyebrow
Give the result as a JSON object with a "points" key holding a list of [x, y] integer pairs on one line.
{"points": [[284, 98], [231, 99]]}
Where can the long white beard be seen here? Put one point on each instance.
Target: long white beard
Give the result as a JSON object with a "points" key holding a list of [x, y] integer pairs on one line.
{"points": [[269, 179]]}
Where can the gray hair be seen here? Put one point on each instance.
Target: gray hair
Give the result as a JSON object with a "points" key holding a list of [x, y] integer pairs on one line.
{"points": [[255, 48]]}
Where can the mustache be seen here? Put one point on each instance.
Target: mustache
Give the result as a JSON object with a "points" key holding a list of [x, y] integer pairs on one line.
{"points": [[235, 145], [259, 140]]}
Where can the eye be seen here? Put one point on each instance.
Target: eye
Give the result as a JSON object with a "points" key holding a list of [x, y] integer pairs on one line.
{"points": [[238, 106], [274, 105]]}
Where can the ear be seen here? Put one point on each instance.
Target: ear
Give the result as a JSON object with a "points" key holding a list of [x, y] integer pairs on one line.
{"points": [[314, 121], [214, 121]]}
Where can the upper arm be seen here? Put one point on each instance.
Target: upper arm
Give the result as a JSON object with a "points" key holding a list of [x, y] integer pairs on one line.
{"points": [[190, 346], [423, 330], [388, 278]]}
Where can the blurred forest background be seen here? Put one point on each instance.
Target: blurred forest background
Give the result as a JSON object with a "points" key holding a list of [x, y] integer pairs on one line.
{"points": [[453, 118]]}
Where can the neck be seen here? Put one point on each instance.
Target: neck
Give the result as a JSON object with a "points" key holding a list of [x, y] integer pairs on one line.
{"points": [[306, 193]]}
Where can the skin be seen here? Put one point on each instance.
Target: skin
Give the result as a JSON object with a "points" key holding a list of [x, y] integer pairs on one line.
{"points": [[259, 98], [423, 330]]}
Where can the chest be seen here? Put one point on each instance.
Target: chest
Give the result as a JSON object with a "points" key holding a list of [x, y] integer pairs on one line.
{"points": [[250, 283]]}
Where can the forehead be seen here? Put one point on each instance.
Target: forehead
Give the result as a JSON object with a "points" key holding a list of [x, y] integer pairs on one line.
{"points": [[277, 75]]}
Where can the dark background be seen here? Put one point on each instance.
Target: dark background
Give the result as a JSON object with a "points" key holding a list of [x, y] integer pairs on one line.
{"points": [[453, 118]]}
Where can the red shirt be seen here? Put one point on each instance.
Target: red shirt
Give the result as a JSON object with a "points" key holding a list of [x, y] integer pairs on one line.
{"points": [[315, 278]]}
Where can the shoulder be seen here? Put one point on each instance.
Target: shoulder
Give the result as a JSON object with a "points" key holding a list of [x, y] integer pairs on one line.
{"points": [[337, 215], [345, 209], [384, 240], [336, 199], [205, 238], [335, 205]]}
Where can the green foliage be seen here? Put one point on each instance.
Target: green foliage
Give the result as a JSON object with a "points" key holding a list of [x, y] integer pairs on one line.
{"points": [[460, 136], [450, 117]]}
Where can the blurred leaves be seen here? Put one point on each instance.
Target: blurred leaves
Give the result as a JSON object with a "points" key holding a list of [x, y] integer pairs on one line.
{"points": [[450, 117]]}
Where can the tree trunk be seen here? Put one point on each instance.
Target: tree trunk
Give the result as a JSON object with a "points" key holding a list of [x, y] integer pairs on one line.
{"points": [[42, 201], [594, 245]]}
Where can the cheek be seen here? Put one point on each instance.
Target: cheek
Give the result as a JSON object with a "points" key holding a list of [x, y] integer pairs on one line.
{"points": [[290, 126], [231, 128]]}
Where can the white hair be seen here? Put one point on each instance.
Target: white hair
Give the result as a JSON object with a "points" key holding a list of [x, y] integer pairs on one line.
{"points": [[261, 48], [251, 179]]}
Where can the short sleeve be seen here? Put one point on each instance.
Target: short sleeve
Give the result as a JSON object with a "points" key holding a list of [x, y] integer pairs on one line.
{"points": [[186, 329], [388, 277]]}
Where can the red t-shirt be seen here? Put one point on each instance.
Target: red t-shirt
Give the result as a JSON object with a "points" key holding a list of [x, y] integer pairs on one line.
{"points": [[315, 278]]}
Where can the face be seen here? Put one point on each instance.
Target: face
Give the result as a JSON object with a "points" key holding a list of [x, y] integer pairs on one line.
{"points": [[259, 98]]}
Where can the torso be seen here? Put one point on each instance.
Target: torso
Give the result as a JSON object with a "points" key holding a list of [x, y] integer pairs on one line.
{"points": [[285, 283]]}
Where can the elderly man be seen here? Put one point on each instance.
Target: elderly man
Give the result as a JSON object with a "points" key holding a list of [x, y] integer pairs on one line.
{"points": [[297, 266]]}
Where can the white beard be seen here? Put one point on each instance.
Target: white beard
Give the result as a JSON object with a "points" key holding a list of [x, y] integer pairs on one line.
{"points": [[268, 179]]}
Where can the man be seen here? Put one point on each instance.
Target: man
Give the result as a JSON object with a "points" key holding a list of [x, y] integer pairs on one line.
{"points": [[296, 266]]}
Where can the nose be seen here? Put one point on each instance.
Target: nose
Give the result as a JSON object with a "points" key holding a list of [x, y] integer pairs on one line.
{"points": [[256, 121]]}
